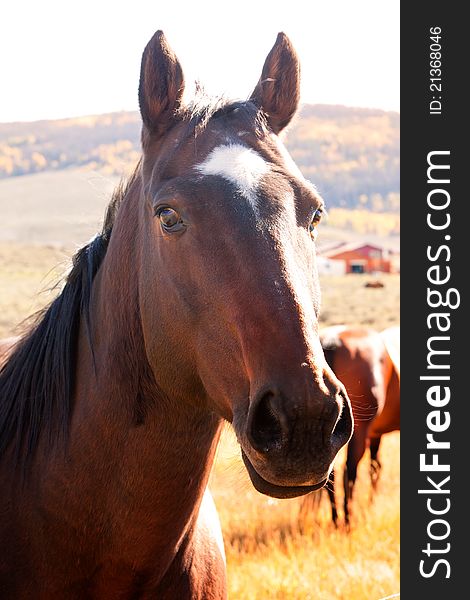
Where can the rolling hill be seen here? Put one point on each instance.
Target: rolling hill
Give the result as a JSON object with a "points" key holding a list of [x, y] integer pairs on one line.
{"points": [[351, 154]]}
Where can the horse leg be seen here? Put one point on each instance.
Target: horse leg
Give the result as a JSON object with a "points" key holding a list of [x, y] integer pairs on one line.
{"points": [[356, 448], [330, 488], [375, 465]]}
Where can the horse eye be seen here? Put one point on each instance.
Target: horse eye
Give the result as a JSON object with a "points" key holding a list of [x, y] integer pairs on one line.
{"points": [[170, 220], [317, 215]]}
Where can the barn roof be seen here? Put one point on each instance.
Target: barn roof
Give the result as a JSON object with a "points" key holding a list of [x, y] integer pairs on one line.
{"points": [[349, 247]]}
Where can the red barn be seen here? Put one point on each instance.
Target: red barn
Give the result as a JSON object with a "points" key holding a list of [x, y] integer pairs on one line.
{"points": [[361, 258]]}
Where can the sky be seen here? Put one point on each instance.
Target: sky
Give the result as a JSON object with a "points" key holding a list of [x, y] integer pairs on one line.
{"points": [[67, 58]]}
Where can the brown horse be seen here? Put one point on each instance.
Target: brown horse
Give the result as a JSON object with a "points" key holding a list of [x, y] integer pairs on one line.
{"points": [[389, 418], [360, 359], [198, 302]]}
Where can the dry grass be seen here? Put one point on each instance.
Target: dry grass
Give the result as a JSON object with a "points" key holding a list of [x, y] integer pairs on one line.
{"points": [[345, 299], [273, 552], [365, 221], [26, 273]]}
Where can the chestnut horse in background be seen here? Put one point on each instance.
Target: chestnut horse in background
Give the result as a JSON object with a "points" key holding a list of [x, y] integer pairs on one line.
{"points": [[197, 303], [367, 363], [389, 418]]}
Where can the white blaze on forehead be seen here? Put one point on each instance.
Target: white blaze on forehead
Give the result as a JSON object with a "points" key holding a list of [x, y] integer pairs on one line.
{"points": [[238, 164]]}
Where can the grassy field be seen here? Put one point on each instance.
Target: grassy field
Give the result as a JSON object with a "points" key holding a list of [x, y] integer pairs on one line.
{"points": [[345, 299], [275, 550], [280, 549]]}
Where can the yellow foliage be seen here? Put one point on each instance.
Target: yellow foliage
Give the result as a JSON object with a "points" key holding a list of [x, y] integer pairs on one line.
{"points": [[365, 221], [38, 160]]}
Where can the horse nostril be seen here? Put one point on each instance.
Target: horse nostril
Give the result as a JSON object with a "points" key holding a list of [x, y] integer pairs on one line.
{"points": [[343, 428], [265, 430]]}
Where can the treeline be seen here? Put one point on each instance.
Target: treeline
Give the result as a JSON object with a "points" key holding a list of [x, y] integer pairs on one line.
{"points": [[351, 154], [106, 142]]}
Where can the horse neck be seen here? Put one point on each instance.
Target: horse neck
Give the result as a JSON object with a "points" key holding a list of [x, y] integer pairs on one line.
{"points": [[152, 455]]}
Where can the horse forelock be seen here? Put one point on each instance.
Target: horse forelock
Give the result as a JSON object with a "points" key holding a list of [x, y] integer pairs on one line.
{"points": [[203, 109]]}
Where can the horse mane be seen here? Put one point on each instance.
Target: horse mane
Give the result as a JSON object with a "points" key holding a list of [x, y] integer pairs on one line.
{"points": [[204, 108], [37, 380]]}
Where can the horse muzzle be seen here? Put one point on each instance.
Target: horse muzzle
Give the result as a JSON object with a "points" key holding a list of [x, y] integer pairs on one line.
{"points": [[289, 446]]}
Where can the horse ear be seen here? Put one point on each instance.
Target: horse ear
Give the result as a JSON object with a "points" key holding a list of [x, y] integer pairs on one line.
{"points": [[161, 85], [278, 90]]}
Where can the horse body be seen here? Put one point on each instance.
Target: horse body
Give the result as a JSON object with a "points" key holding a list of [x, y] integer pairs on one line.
{"points": [[367, 362], [359, 359], [389, 418], [197, 303]]}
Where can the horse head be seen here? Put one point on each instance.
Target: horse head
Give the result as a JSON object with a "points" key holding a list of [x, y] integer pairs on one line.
{"points": [[228, 286]]}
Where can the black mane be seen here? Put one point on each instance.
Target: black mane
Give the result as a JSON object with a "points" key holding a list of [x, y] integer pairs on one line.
{"points": [[37, 381], [203, 109]]}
